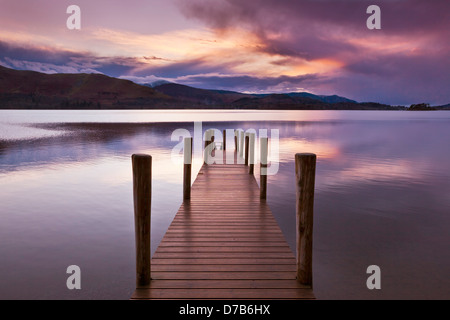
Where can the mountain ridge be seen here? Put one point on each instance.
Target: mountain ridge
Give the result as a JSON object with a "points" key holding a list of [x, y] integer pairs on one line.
{"points": [[24, 89], [179, 90]]}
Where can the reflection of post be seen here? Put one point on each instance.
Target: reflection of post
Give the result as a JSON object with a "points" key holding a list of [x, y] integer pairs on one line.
{"points": [[264, 147], [224, 144], [209, 147], [246, 148], [305, 170], [251, 154], [142, 195], [241, 143], [207, 142], [187, 168], [212, 148], [274, 152], [207, 139]]}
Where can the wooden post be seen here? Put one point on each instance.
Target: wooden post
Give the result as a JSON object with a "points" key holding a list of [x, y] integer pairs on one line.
{"points": [[224, 144], [305, 171], [236, 140], [264, 151], [247, 138], [187, 168], [251, 153], [142, 195]]}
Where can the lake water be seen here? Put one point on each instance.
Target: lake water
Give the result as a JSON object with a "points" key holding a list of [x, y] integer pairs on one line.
{"points": [[382, 196]]}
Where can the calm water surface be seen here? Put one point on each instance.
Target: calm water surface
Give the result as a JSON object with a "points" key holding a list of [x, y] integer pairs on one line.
{"points": [[382, 196]]}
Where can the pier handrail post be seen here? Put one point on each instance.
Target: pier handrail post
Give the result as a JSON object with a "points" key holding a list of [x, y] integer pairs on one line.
{"points": [[305, 171], [142, 195], [247, 139], [251, 153], [187, 169], [264, 151]]}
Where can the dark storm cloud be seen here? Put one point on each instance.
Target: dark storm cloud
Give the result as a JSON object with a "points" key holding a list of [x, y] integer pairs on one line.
{"points": [[401, 78], [37, 54], [309, 28], [399, 16]]}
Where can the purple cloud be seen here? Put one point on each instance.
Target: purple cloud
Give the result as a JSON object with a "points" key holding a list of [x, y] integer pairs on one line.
{"points": [[51, 60], [409, 63]]}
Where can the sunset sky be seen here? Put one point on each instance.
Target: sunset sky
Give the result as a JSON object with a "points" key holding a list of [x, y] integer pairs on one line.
{"points": [[258, 46]]}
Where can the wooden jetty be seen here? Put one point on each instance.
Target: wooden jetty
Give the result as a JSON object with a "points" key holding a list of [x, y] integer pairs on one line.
{"points": [[224, 242]]}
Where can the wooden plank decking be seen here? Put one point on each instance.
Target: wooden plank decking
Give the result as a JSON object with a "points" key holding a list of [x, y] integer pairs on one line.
{"points": [[224, 243]]}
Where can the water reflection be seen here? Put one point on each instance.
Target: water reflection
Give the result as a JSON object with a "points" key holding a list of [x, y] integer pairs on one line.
{"points": [[382, 191]]}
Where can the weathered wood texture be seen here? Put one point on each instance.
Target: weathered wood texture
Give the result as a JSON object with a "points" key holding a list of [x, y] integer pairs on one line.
{"points": [[142, 189], [305, 172], [224, 243]]}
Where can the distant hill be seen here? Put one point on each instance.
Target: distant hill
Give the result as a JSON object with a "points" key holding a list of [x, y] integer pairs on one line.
{"points": [[287, 102], [427, 107], [421, 107], [327, 99], [444, 107], [284, 101], [200, 97], [34, 90]]}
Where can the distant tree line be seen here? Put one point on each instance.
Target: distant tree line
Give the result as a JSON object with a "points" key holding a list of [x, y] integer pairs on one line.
{"points": [[421, 107]]}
